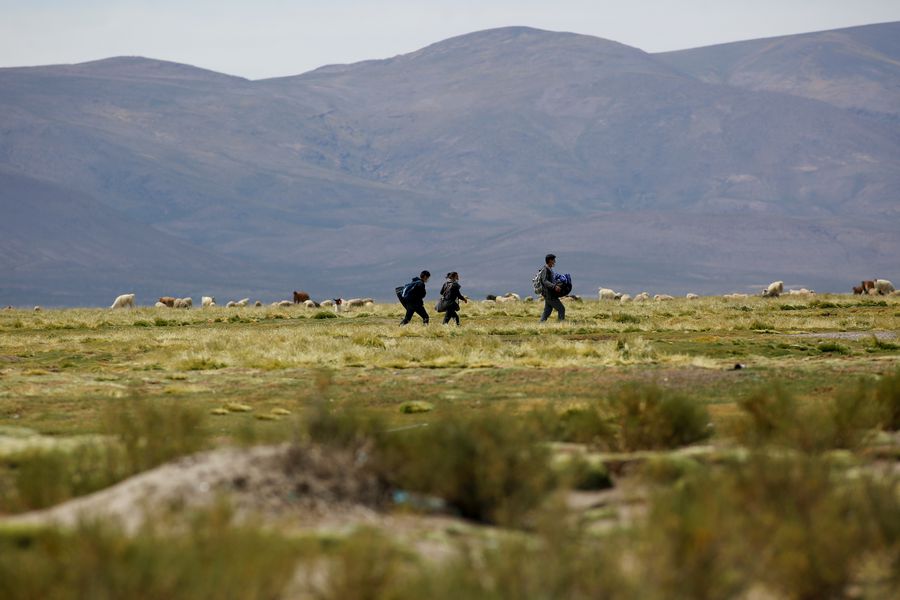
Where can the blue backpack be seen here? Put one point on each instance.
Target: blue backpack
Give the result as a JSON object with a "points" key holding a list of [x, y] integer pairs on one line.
{"points": [[403, 291]]}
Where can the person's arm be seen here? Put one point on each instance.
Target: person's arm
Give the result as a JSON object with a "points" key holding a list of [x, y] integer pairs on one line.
{"points": [[546, 282]]}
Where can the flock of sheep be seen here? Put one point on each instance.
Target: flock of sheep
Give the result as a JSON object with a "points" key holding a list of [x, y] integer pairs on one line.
{"points": [[300, 298], [879, 287]]}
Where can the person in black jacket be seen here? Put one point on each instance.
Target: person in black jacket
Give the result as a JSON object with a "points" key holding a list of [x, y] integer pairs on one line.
{"points": [[414, 302], [451, 296], [550, 290]]}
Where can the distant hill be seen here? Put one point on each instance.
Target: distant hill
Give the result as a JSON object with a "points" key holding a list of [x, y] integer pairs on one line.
{"points": [[479, 154], [856, 67]]}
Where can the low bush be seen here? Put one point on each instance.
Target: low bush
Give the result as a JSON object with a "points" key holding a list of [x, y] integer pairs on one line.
{"points": [[213, 559], [154, 432], [649, 417], [887, 398], [488, 466]]}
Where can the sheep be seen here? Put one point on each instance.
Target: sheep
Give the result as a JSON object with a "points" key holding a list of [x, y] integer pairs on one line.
{"points": [[310, 304], [490, 297], [257, 304], [884, 287], [161, 305], [183, 303], [38, 309], [663, 297], [355, 302], [230, 304], [775, 289], [207, 301], [300, 297], [124, 301], [167, 300], [607, 294], [325, 303], [625, 298], [572, 297], [369, 303], [801, 292], [285, 304], [691, 296], [508, 297], [735, 296], [642, 297], [528, 299], [242, 302]]}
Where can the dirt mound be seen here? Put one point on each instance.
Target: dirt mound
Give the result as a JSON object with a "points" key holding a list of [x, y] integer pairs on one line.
{"points": [[307, 484]]}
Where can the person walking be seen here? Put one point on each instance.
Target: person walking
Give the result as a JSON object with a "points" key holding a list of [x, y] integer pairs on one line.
{"points": [[414, 298], [450, 297], [550, 290]]}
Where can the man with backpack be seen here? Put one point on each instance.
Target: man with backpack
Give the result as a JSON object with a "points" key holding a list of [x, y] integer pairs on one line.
{"points": [[412, 297], [546, 285]]}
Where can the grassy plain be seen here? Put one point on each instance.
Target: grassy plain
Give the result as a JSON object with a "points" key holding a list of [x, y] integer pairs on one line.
{"points": [[246, 375]]}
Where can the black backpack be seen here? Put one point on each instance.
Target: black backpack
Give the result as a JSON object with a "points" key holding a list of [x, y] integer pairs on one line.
{"points": [[403, 291]]}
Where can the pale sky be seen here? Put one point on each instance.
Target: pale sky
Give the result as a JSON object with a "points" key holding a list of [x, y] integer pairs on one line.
{"points": [[270, 38]]}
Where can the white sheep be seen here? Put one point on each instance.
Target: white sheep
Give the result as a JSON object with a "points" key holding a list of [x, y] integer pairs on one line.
{"points": [[183, 303], [691, 296], [883, 287], [285, 304], [230, 304], [354, 302], [242, 302], [775, 289], [207, 301], [642, 297], [663, 297], [38, 309], [124, 301], [607, 294], [309, 304], [324, 303], [735, 296], [801, 292], [160, 305], [625, 298]]}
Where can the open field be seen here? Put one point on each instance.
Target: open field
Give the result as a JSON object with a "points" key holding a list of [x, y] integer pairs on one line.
{"points": [[660, 465]]}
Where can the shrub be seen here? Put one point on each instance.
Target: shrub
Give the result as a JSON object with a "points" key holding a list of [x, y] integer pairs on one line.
{"points": [[487, 466], [212, 559], [648, 417], [826, 347], [324, 314], [626, 318], [154, 432], [887, 398]]}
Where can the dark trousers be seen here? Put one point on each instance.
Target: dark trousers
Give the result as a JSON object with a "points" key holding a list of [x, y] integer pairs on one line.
{"points": [[549, 305], [451, 314], [415, 309]]}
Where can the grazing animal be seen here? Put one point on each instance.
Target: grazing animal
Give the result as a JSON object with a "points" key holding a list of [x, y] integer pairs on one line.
{"points": [[607, 294], [38, 309], [868, 285], [230, 304], [310, 304], [285, 303], [858, 290], [300, 297], [572, 297], [801, 292], [490, 297], [642, 297], [257, 304], [691, 296], [625, 298], [161, 305], [242, 302], [735, 296], [8, 307], [183, 303], [207, 301], [508, 297], [775, 289], [663, 297], [883, 287], [124, 301], [167, 300], [355, 302]]}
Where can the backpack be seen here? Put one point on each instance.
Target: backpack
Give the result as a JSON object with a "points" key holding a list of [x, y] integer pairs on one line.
{"points": [[565, 284], [536, 282], [403, 291]]}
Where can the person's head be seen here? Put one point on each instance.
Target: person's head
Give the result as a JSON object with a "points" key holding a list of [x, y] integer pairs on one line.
{"points": [[453, 276], [424, 275], [550, 260]]}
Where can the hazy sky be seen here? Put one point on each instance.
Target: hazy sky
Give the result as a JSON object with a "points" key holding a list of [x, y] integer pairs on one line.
{"points": [[267, 38]]}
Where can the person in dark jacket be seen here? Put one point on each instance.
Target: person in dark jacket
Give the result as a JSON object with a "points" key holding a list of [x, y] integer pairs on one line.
{"points": [[414, 302], [451, 296], [550, 290]]}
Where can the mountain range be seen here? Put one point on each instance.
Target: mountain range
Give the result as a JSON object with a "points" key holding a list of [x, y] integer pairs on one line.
{"points": [[710, 170]]}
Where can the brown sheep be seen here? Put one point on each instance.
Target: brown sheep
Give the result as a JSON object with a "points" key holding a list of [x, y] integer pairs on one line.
{"points": [[300, 297], [168, 301]]}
